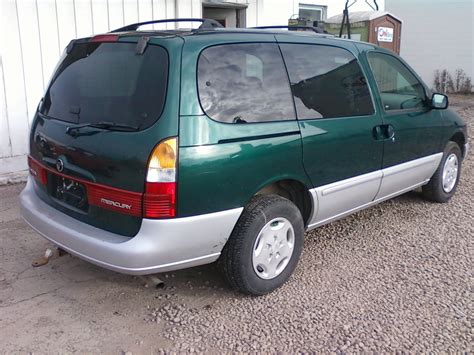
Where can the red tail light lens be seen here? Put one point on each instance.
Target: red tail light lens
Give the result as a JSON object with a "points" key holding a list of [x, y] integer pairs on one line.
{"points": [[104, 38], [37, 171], [159, 200]]}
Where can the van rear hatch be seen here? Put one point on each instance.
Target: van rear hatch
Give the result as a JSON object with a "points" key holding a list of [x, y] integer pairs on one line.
{"points": [[108, 104]]}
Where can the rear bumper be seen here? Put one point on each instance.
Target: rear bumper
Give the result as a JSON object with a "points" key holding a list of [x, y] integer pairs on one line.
{"points": [[159, 246]]}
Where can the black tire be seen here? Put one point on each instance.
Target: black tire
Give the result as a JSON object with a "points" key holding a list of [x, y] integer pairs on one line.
{"points": [[434, 191], [236, 258]]}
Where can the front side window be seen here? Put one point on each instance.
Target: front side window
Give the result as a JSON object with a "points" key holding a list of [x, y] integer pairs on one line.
{"points": [[399, 88], [244, 83], [326, 82]]}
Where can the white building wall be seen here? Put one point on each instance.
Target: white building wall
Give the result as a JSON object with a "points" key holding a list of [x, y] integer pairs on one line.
{"points": [[436, 35], [35, 32]]}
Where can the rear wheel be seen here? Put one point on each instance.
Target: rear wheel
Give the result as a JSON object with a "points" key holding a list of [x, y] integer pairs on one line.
{"points": [[444, 182], [265, 245]]}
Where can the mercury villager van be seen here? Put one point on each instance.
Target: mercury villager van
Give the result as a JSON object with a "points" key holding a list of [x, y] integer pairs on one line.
{"points": [[159, 150]]}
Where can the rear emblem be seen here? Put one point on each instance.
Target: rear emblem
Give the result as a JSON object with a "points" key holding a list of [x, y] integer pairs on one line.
{"points": [[59, 165], [115, 203]]}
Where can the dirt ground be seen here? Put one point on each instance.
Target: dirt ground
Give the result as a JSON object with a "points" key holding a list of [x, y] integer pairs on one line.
{"points": [[397, 276]]}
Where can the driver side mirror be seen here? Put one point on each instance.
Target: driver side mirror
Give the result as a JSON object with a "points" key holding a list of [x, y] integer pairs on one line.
{"points": [[439, 101]]}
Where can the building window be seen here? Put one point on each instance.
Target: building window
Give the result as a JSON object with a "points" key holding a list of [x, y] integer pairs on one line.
{"points": [[312, 13]]}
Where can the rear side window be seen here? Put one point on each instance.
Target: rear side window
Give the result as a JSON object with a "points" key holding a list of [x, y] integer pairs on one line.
{"points": [[99, 82], [244, 83], [326, 82]]}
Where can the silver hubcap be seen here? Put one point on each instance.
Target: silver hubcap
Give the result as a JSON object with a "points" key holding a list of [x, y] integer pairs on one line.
{"points": [[273, 248], [450, 173]]}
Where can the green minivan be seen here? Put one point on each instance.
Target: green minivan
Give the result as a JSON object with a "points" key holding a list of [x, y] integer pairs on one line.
{"points": [[158, 150]]}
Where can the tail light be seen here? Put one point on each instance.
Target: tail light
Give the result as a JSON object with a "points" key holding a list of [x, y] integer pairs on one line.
{"points": [[37, 171], [159, 200], [104, 38]]}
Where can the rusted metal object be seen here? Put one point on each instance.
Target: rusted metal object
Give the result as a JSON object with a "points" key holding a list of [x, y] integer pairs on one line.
{"points": [[48, 254]]}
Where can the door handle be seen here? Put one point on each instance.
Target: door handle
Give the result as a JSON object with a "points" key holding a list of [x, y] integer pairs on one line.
{"points": [[390, 133], [384, 132], [377, 133]]}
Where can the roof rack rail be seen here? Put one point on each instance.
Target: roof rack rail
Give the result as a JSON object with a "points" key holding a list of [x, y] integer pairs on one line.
{"points": [[206, 24], [306, 28]]}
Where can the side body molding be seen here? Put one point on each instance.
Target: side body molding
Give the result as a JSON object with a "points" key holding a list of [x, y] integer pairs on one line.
{"points": [[342, 198], [399, 177]]}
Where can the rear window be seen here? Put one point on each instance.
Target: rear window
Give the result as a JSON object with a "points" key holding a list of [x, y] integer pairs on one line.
{"points": [[99, 82], [244, 83]]}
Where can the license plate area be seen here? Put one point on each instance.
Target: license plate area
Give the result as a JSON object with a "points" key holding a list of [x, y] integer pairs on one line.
{"points": [[69, 192]]}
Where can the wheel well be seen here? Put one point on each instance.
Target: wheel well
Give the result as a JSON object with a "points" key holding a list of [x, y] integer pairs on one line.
{"points": [[460, 140], [294, 191]]}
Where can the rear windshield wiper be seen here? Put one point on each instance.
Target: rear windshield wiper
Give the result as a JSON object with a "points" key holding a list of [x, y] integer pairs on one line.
{"points": [[103, 125]]}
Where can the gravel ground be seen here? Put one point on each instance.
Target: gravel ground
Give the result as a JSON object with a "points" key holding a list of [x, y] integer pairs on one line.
{"points": [[397, 276]]}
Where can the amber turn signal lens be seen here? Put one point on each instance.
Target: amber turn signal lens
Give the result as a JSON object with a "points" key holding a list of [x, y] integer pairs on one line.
{"points": [[162, 165]]}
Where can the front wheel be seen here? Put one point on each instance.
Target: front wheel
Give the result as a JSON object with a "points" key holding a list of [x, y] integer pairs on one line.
{"points": [[265, 245], [444, 182]]}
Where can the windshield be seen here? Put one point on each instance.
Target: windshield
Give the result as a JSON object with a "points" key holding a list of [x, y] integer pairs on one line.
{"points": [[109, 82]]}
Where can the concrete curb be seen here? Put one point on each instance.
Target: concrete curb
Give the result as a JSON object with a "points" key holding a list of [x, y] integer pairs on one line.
{"points": [[16, 177]]}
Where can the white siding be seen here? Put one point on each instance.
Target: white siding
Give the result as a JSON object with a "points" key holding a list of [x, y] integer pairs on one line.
{"points": [[131, 11], [83, 18], [14, 81], [436, 35], [32, 60], [5, 144], [66, 22], [145, 10], [116, 14]]}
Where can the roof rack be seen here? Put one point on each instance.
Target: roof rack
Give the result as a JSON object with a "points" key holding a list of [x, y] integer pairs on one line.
{"points": [[205, 24], [305, 28]]}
